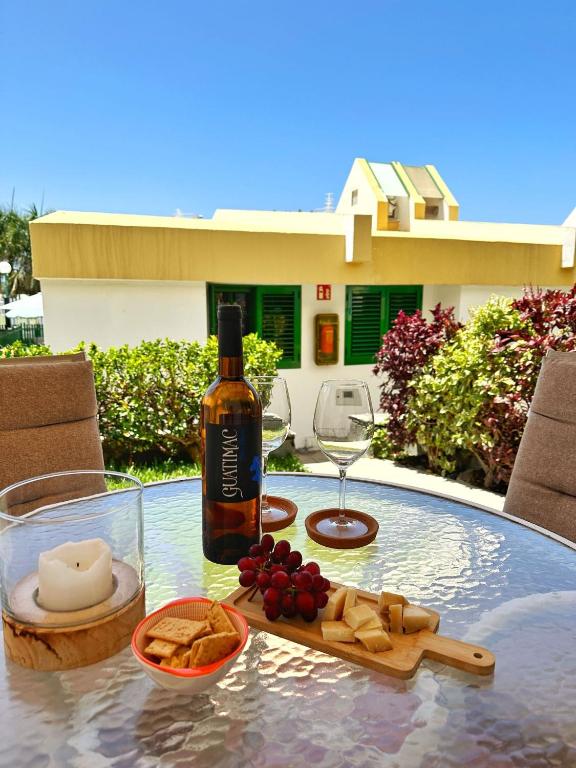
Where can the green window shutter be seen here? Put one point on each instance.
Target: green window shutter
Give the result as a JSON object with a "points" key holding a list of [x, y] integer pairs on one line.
{"points": [[229, 294], [402, 297], [370, 312], [364, 321], [278, 319]]}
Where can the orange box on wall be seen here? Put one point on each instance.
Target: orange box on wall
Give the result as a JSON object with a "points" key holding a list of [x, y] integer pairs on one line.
{"points": [[326, 339]]}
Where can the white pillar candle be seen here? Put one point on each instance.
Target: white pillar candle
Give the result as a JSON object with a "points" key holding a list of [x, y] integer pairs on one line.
{"points": [[75, 575]]}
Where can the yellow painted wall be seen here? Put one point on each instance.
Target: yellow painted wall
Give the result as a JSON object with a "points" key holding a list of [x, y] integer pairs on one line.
{"points": [[225, 256]]}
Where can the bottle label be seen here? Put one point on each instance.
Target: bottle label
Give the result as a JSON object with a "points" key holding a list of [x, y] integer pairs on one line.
{"points": [[233, 458]]}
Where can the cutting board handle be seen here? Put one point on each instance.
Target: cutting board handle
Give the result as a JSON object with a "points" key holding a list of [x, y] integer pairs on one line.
{"points": [[455, 653]]}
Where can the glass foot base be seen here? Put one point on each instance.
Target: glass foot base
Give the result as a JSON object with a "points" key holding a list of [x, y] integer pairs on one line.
{"points": [[358, 529], [346, 528]]}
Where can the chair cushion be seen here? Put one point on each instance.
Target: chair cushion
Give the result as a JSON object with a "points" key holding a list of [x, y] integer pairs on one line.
{"points": [[542, 488], [48, 423]]}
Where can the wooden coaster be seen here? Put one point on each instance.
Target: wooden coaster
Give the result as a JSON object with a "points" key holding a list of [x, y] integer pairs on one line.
{"points": [[283, 514], [341, 542]]}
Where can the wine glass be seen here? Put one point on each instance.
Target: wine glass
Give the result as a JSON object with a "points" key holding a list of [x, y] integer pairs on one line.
{"points": [[343, 426], [273, 392]]}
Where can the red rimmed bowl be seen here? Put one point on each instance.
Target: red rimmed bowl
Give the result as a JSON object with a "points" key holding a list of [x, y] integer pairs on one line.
{"points": [[187, 680]]}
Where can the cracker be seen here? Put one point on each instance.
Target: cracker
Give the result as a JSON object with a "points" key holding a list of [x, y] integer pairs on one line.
{"points": [[161, 648], [219, 620], [179, 631], [209, 649], [180, 658]]}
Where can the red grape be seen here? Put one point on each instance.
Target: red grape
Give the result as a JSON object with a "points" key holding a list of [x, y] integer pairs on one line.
{"points": [[282, 550], [272, 596], [294, 560], [267, 543], [310, 615], [247, 564], [302, 580], [317, 582], [275, 567], [312, 568], [247, 578], [272, 612], [305, 602], [320, 599], [288, 606], [263, 579], [255, 550], [326, 585], [280, 580]]}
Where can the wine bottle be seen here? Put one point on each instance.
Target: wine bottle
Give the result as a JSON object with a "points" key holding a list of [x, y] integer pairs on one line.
{"points": [[231, 433]]}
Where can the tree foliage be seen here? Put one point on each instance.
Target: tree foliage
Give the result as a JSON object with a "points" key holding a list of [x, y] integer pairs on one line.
{"points": [[15, 248]]}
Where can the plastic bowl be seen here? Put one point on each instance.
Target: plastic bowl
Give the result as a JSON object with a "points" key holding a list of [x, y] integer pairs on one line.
{"points": [[187, 680]]}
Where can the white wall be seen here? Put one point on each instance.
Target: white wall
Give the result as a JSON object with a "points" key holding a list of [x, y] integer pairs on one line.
{"points": [[465, 298], [115, 312], [446, 295], [304, 383], [366, 202]]}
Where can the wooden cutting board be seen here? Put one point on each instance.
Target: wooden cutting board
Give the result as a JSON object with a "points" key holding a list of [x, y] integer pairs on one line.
{"points": [[402, 661]]}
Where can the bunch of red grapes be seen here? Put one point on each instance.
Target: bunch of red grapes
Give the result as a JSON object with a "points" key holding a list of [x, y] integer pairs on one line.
{"points": [[288, 588]]}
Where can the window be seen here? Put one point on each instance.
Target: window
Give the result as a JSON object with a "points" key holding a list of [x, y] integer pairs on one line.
{"points": [[354, 197], [370, 312], [271, 311]]}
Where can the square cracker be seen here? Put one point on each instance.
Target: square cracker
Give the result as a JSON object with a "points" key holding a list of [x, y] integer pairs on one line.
{"points": [[179, 631], [209, 649], [219, 620], [161, 648], [180, 658]]}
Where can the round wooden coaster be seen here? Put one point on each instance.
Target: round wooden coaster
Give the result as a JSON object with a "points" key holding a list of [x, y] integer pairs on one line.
{"points": [[282, 515], [341, 542]]}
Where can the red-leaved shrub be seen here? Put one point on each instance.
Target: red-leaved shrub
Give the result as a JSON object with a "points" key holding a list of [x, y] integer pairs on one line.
{"points": [[406, 347], [550, 324]]}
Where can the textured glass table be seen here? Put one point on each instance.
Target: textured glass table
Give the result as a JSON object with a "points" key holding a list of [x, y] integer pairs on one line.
{"points": [[494, 583]]}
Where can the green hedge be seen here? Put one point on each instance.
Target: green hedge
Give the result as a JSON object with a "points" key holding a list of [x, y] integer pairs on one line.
{"points": [[453, 389], [149, 395]]}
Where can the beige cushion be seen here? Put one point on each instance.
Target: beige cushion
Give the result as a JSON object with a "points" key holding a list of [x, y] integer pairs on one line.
{"points": [[543, 484], [48, 423]]}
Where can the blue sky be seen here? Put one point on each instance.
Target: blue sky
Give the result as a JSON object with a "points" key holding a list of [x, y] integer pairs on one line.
{"points": [[146, 107]]}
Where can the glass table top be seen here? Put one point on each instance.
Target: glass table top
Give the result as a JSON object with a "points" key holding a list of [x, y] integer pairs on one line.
{"points": [[494, 582]]}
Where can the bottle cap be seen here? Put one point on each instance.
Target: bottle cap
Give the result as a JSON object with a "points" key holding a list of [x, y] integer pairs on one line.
{"points": [[229, 312], [230, 330]]}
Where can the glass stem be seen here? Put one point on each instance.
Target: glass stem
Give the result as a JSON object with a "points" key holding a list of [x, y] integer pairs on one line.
{"points": [[264, 506], [342, 513]]}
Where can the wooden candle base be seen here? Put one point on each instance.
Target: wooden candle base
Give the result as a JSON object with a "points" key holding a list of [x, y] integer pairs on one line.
{"points": [[56, 648]]}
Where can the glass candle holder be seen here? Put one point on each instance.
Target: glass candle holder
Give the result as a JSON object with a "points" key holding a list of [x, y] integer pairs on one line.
{"points": [[71, 549]]}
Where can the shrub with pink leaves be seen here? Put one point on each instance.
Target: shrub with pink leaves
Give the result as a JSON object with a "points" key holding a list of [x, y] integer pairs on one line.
{"points": [[406, 348]]}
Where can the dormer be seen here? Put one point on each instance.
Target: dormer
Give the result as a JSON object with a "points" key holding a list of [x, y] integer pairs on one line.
{"points": [[395, 194]]}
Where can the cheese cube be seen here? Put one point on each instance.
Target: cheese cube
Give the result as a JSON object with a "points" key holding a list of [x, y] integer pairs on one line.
{"points": [[337, 631], [373, 623], [358, 615], [374, 640], [396, 618], [335, 605], [415, 618], [387, 599], [350, 601]]}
